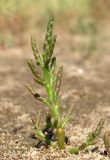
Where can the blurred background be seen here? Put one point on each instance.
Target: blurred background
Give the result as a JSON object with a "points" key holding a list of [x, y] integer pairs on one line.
{"points": [[82, 48], [19, 19]]}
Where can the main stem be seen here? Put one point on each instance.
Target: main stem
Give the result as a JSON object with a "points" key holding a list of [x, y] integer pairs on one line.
{"points": [[54, 107], [60, 138]]}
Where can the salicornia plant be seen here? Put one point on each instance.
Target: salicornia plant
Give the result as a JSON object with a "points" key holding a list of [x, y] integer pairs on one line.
{"points": [[50, 79], [90, 140]]}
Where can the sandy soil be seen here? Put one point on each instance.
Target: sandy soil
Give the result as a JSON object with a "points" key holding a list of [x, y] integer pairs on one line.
{"points": [[86, 84]]}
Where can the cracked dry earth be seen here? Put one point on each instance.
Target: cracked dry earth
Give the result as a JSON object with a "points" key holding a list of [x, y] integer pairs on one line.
{"points": [[86, 84]]}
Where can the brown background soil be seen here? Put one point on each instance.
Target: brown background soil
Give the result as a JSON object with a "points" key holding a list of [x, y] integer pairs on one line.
{"points": [[86, 84]]}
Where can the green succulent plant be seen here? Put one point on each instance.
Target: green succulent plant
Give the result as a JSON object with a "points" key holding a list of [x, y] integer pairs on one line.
{"points": [[90, 140], [50, 80]]}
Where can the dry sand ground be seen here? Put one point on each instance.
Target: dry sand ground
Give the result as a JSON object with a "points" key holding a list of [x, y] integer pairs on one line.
{"points": [[86, 83]]}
